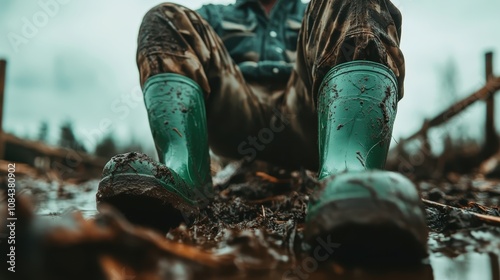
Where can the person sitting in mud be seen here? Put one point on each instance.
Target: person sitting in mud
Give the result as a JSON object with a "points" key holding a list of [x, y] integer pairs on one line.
{"points": [[298, 85]]}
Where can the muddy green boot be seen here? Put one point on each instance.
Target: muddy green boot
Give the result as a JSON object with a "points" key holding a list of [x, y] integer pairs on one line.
{"points": [[368, 213], [164, 194]]}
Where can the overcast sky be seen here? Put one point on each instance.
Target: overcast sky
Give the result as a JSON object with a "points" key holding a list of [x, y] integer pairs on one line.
{"points": [[78, 63]]}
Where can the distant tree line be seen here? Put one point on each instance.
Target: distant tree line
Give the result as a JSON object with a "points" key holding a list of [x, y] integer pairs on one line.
{"points": [[107, 147]]}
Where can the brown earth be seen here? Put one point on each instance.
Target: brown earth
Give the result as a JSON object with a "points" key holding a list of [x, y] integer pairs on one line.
{"points": [[252, 230]]}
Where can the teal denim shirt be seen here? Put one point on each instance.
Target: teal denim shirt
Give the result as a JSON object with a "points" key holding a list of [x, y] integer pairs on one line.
{"points": [[263, 46]]}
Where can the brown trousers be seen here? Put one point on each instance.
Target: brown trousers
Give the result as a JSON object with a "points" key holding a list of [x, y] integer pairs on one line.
{"points": [[270, 122]]}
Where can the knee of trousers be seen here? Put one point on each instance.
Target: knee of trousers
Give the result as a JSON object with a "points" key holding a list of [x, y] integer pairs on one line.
{"points": [[162, 47], [166, 10]]}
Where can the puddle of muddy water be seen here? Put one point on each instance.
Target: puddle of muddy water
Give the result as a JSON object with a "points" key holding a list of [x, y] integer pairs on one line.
{"points": [[53, 199], [468, 266], [466, 260]]}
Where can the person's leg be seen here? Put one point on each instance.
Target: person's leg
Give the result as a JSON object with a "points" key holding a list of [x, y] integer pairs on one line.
{"points": [[337, 31], [352, 71], [175, 39], [244, 119], [187, 75], [334, 32]]}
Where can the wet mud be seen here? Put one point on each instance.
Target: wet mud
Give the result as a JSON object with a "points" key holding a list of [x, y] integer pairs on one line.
{"points": [[254, 229]]}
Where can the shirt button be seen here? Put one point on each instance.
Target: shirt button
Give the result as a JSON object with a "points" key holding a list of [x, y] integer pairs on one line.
{"points": [[279, 50], [273, 34], [276, 70]]}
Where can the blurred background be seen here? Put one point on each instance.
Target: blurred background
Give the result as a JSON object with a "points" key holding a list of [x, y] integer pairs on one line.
{"points": [[72, 79]]}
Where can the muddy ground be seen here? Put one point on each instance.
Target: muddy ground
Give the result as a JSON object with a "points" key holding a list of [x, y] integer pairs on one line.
{"points": [[253, 230]]}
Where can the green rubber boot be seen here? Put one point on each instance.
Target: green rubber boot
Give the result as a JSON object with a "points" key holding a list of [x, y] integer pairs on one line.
{"points": [[368, 213], [164, 194]]}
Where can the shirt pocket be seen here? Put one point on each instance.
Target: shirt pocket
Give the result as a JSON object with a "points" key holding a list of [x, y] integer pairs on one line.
{"points": [[239, 37]]}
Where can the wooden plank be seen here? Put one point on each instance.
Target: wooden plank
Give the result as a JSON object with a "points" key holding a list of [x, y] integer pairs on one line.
{"points": [[491, 138], [3, 67], [53, 151], [492, 220], [492, 86], [21, 169]]}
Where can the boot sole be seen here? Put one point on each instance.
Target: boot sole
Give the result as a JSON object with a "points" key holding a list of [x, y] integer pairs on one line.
{"points": [[367, 232], [144, 201]]}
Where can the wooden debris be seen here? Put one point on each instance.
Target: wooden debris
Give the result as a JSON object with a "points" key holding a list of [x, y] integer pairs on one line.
{"points": [[271, 179], [3, 66], [492, 220], [119, 232], [491, 137], [490, 88], [21, 169]]}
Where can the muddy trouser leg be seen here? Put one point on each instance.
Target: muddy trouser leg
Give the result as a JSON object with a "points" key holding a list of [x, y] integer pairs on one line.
{"points": [[334, 32], [358, 206], [174, 39]]}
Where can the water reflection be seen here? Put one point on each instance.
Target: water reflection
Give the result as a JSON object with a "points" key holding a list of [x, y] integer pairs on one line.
{"points": [[52, 199], [424, 272], [471, 266]]}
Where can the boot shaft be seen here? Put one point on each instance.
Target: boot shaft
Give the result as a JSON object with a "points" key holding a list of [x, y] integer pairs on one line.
{"points": [[177, 118], [357, 104]]}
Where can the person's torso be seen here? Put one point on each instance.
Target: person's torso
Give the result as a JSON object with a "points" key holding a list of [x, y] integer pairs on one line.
{"points": [[252, 36]]}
